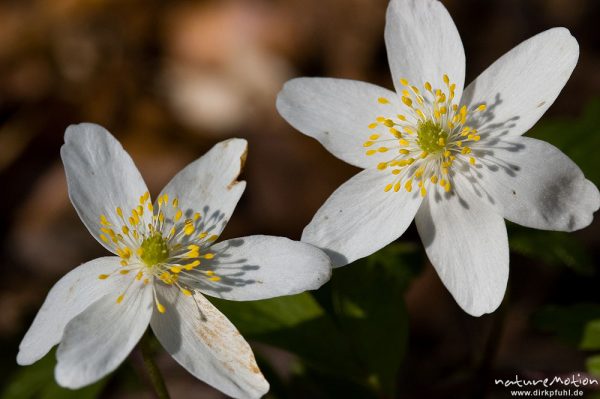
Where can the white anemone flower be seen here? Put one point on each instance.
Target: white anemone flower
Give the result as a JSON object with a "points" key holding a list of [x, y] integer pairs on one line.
{"points": [[453, 160], [166, 259]]}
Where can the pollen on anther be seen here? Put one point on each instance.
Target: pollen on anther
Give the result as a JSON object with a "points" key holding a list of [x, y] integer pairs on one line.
{"points": [[383, 100]]}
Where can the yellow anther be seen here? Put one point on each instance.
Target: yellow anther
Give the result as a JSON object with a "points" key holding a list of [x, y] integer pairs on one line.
{"points": [[120, 212], [397, 187], [419, 172], [396, 171], [389, 123], [408, 185], [403, 142], [123, 263], [395, 133], [383, 100], [482, 107], [383, 149], [434, 179], [423, 155], [160, 307], [410, 161], [104, 221], [139, 275], [441, 141], [368, 143], [446, 153], [124, 272], [406, 93], [444, 171], [196, 216], [120, 298], [446, 79], [190, 266], [103, 276], [104, 238], [443, 182], [472, 161], [443, 110], [388, 187], [401, 117], [407, 101], [465, 150], [208, 256], [382, 165], [215, 278], [373, 125], [125, 230], [371, 152], [161, 216], [186, 292], [427, 86], [404, 151], [150, 207], [404, 82], [189, 228], [178, 215], [373, 137], [175, 269], [380, 119], [423, 191], [447, 187], [421, 114]]}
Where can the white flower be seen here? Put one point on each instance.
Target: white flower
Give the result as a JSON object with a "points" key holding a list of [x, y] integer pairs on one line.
{"points": [[453, 160], [166, 258]]}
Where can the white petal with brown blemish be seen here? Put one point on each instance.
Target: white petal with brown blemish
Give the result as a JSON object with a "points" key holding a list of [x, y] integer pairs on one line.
{"points": [[209, 186], [203, 341]]}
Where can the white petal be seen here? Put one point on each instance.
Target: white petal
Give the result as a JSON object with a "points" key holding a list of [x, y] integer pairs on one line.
{"points": [[101, 176], [423, 44], [466, 242], [337, 112], [203, 341], [260, 267], [208, 186], [100, 338], [520, 86], [70, 296], [534, 184], [360, 217]]}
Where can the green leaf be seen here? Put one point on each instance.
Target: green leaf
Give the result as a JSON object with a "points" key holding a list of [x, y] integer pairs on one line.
{"points": [[591, 336], [297, 324], [567, 322], [368, 297], [578, 138], [551, 247], [593, 365], [37, 382]]}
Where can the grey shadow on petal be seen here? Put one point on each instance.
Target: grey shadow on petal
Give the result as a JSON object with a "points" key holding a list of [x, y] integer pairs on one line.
{"points": [[232, 272], [494, 137]]}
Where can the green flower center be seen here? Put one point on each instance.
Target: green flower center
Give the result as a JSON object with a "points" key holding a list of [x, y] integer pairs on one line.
{"points": [[432, 138], [154, 250]]}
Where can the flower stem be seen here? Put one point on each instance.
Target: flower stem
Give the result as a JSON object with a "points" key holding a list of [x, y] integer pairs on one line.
{"points": [[158, 383]]}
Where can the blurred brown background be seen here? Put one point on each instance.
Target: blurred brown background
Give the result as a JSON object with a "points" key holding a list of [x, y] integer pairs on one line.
{"points": [[171, 78]]}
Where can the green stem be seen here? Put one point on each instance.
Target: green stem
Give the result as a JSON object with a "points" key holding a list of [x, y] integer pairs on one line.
{"points": [[158, 383]]}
